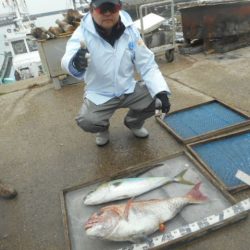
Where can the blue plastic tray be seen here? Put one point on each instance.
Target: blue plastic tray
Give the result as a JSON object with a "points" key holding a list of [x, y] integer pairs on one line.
{"points": [[203, 119], [225, 156]]}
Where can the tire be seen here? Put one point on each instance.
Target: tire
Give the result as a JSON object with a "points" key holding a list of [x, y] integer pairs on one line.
{"points": [[169, 55]]}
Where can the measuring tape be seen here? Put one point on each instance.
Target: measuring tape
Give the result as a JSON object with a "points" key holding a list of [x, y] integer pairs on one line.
{"points": [[193, 227]]}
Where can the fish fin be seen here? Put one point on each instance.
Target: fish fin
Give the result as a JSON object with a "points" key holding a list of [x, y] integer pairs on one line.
{"points": [[195, 195], [127, 207], [180, 179], [162, 227]]}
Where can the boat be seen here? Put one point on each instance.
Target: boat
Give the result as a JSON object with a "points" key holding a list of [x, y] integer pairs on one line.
{"points": [[26, 61]]}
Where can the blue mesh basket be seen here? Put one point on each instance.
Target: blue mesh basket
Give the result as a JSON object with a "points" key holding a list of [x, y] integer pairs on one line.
{"points": [[225, 156], [203, 119]]}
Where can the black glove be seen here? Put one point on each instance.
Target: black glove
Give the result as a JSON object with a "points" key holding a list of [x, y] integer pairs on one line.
{"points": [[80, 59], [165, 104]]}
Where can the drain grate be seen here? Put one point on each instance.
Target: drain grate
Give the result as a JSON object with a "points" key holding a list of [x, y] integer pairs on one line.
{"points": [[203, 120], [225, 156]]}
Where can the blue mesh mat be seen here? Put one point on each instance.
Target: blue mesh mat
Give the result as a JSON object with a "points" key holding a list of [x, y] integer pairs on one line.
{"points": [[202, 119], [225, 156]]}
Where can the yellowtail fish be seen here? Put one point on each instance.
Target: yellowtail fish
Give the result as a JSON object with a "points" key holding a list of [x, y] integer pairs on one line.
{"points": [[130, 187], [136, 220]]}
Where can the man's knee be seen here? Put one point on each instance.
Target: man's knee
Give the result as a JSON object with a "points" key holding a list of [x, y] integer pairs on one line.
{"points": [[84, 123], [90, 125]]}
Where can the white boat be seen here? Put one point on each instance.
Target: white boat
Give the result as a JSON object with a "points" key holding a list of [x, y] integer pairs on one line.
{"points": [[26, 60]]}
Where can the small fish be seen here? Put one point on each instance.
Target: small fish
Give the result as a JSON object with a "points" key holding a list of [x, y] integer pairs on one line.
{"points": [[136, 220], [130, 187]]}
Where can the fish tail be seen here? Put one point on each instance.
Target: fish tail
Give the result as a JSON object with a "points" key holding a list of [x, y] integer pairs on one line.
{"points": [[195, 195], [180, 179]]}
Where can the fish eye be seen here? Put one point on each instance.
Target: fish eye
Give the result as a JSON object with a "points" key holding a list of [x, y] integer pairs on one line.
{"points": [[99, 213], [117, 183]]}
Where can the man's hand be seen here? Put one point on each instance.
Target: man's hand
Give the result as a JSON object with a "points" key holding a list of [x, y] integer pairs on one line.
{"points": [[81, 59], [165, 104]]}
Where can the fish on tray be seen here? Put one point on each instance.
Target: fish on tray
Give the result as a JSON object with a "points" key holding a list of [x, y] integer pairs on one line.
{"points": [[135, 220], [130, 187]]}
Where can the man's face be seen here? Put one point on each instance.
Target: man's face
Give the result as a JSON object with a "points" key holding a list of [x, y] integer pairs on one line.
{"points": [[106, 15]]}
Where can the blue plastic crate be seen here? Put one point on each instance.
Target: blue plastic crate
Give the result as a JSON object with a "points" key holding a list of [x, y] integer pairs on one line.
{"points": [[203, 119], [225, 156]]}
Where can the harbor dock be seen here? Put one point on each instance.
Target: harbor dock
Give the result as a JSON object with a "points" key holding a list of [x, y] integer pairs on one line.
{"points": [[43, 151]]}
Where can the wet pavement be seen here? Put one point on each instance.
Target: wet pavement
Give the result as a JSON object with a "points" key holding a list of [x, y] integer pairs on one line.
{"points": [[43, 151]]}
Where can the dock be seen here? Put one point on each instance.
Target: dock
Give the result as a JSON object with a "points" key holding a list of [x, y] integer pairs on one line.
{"points": [[43, 151]]}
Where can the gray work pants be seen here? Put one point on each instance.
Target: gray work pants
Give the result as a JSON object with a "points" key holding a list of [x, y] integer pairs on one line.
{"points": [[95, 118]]}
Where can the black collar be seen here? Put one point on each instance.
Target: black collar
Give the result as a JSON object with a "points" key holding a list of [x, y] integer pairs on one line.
{"points": [[115, 33]]}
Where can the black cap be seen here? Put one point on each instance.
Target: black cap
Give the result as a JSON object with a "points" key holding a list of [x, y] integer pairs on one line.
{"points": [[98, 3]]}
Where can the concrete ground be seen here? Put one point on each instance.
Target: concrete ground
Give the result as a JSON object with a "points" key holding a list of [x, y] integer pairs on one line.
{"points": [[42, 151]]}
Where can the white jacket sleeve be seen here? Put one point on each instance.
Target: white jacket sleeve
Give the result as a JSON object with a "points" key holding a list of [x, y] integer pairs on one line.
{"points": [[147, 67], [73, 45]]}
